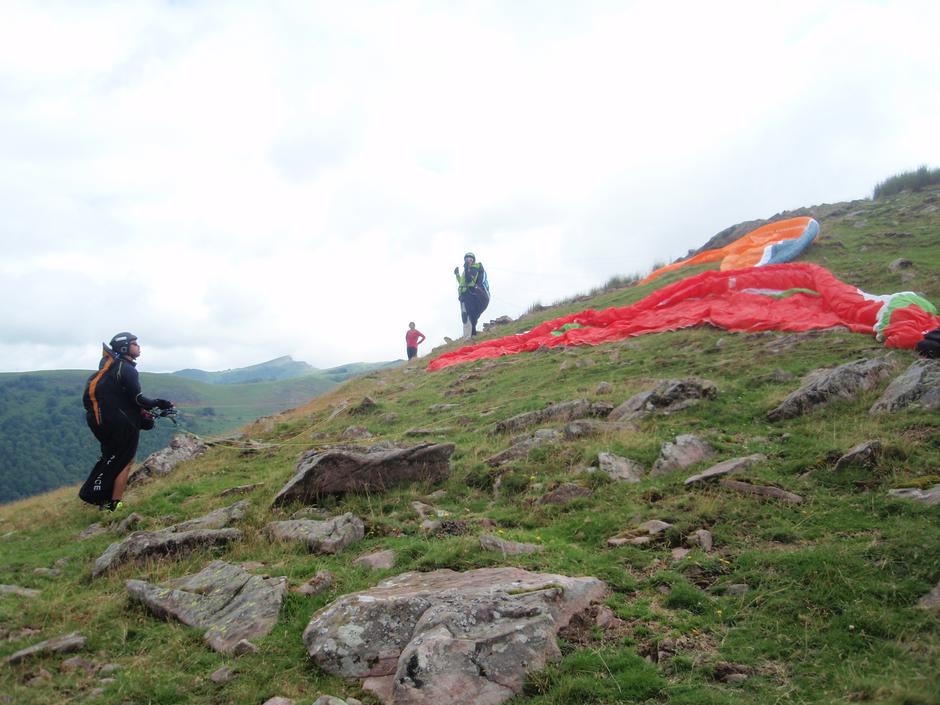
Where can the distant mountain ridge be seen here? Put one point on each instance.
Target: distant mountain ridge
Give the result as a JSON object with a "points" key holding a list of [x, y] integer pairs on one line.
{"points": [[284, 367]]}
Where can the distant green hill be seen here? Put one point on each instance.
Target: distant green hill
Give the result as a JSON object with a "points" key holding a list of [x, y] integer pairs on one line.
{"points": [[45, 444]]}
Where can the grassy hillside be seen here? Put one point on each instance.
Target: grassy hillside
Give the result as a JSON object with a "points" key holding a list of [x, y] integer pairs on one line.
{"points": [[829, 613]]}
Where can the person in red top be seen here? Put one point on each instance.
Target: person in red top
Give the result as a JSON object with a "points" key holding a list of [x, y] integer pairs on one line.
{"points": [[412, 339]]}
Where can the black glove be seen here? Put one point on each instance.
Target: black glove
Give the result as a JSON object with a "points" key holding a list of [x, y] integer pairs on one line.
{"points": [[163, 404], [456, 271]]}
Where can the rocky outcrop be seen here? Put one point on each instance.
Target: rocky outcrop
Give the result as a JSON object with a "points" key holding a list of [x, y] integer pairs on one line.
{"points": [[862, 454], [144, 544], [685, 451], [182, 447], [59, 645], [620, 468], [667, 397], [330, 536], [333, 472], [822, 386], [930, 497], [562, 411], [228, 602], [917, 388], [179, 538], [521, 445], [446, 637]]}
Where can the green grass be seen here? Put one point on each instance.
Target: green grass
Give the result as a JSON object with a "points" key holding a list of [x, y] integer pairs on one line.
{"points": [[829, 615]]}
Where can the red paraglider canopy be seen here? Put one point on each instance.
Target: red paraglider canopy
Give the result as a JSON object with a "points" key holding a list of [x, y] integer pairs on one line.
{"points": [[786, 297]]}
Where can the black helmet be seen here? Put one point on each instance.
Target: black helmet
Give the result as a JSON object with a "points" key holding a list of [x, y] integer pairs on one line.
{"points": [[471, 256], [121, 342]]}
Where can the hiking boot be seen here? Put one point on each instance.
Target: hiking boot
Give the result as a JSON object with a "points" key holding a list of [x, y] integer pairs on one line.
{"points": [[114, 505]]}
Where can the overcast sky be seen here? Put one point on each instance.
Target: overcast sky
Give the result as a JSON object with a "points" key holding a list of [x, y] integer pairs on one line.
{"points": [[235, 181]]}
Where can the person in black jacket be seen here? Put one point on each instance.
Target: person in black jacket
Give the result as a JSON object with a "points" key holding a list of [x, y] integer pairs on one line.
{"points": [[115, 410]]}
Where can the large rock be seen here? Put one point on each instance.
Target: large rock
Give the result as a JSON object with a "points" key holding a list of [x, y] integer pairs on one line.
{"points": [[822, 386], [917, 388], [446, 637], [339, 471], [685, 451], [330, 536], [225, 600], [667, 397], [182, 447], [216, 519], [145, 544], [562, 411]]}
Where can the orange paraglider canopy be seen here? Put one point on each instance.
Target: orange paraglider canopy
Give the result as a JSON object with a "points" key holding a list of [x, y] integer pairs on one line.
{"points": [[774, 243]]}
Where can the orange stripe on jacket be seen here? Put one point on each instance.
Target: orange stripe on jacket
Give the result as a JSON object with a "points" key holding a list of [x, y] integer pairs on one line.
{"points": [[94, 383]]}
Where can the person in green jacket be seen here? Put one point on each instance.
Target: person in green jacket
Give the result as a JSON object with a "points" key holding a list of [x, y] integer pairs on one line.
{"points": [[473, 291]]}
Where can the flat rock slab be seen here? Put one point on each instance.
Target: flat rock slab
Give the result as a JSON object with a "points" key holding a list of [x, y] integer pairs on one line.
{"points": [[18, 591], [562, 411], [823, 386], [217, 519], [929, 497], [763, 491], [334, 472], [489, 542], [329, 536], [917, 388], [591, 428], [59, 645], [726, 467], [145, 544], [446, 637], [565, 493], [225, 600], [685, 451], [669, 396], [182, 447], [620, 468]]}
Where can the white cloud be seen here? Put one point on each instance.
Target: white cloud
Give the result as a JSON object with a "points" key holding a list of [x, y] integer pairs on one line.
{"points": [[235, 183]]}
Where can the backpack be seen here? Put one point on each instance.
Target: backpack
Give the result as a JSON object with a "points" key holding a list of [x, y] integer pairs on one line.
{"points": [[930, 345]]}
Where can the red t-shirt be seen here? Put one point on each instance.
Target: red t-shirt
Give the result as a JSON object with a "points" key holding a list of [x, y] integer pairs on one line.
{"points": [[411, 337]]}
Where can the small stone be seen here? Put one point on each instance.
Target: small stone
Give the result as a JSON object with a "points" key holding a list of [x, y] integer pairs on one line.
{"points": [[91, 530], [222, 675], [108, 669], [47, 572], [654, 526], [107, 681], [616, 541], [278, 700], [701, 538], [679, 553], [323, 580], [737, 589], [129, 523], [900, 263], [42, 676], [606, 619], [244, 647], [489, 542], [381, 560], [76, 663], [604, 388], [733, 678]]}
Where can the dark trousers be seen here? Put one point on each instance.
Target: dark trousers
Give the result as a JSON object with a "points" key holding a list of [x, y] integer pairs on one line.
{"points": [[412, 352], [118, 439], [474, 303]]}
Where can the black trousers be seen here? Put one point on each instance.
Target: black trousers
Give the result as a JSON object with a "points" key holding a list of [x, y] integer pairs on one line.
{"points": [[118, 439], [474, 304], [412, 352]]}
